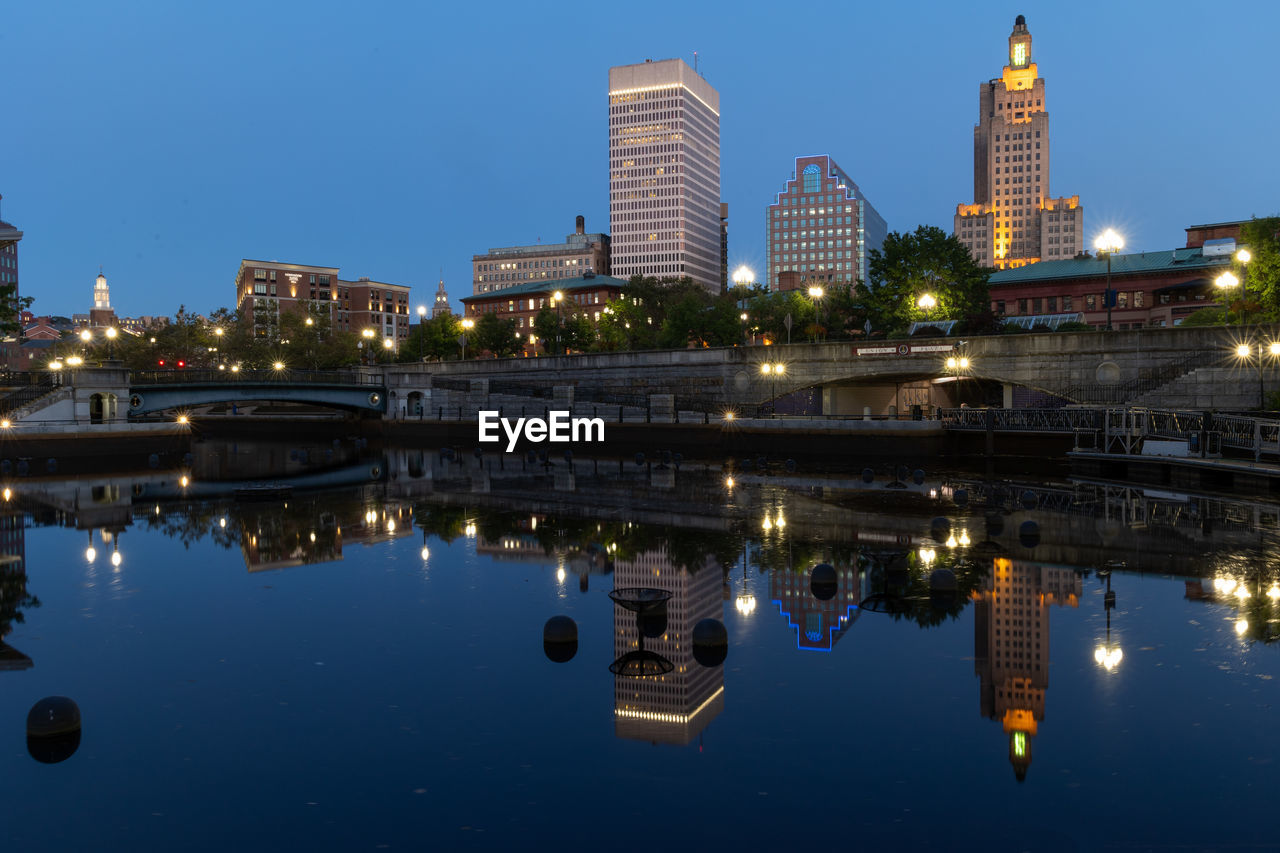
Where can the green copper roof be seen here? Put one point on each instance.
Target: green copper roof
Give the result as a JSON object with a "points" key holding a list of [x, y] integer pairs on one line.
{"points": [[550, 285], [1144, 263]]}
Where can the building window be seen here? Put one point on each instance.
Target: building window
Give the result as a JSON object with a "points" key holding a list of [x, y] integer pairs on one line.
{"points": [[1137, 299], [259, 275], [812, 178], [1090, 301]]}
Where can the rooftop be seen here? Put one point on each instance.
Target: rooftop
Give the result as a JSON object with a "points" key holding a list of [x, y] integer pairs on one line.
{"points": [[550, 286], [1143, 263]]}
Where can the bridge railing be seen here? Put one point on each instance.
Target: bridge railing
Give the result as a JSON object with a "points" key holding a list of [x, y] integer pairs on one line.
{"points": [[256, 376], [1022, 420], [30, 386]]}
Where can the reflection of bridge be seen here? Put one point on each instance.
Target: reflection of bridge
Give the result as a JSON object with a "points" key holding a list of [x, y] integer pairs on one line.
{"points": [[166, 390], [1084, 367]]}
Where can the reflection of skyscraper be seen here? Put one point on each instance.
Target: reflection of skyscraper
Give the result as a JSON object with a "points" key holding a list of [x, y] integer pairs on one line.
{"points": [[819, 624], [675, 707], [13, 585], [1011, 647]]}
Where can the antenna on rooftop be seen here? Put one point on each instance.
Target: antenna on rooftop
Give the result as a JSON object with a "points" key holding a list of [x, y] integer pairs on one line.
{"points": [[695, 62]]}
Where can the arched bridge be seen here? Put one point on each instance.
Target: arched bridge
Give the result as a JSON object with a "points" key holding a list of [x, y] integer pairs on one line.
{"points": [[1080, 367], [153, 391]]}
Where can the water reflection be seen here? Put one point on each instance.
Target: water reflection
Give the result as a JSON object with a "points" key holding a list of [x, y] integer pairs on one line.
{"points": [[1011, 647], [821, 550], [674, 707]]}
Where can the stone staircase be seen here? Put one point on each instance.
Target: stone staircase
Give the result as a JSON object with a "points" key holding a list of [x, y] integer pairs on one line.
{"points": [[1214, 388]]}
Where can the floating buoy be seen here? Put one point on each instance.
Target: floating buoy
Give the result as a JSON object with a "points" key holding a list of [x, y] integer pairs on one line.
{"points": [[1029, 534], [153, 460], [51, 465], [560, 639], [53, 729], [868, 476], [823, 582], [791, 466], [918, 476], [1029, 499], [652, 623], [639, 458]]}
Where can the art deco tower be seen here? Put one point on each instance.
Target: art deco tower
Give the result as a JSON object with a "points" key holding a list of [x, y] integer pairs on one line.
{"points": [[664, 172], [1014, 220]]}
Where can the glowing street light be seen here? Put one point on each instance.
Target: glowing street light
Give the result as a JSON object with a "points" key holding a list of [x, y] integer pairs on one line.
{"points": [[774, 369], [926, 303], [1225, 283], [744, 276], [1108, 243], [467, 325], [278, 365]]}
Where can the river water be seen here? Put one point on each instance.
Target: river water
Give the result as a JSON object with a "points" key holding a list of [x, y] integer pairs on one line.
{"points": [[356, 659]]}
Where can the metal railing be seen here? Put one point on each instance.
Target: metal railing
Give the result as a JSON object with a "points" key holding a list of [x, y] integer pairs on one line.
{"points": [[1021, 420], [31, 387], [1149, 379], [276, 377]]}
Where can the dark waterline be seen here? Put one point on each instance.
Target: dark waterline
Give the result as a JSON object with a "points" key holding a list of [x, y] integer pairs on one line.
{"points": [[295, 673]]}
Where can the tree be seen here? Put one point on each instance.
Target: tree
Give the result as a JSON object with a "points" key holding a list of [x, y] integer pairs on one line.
{"points": [[700, 319], [546, 325], [926, 261], [11, 308], [1261, 276], [436, 338], [769, 312], [495, 335]]}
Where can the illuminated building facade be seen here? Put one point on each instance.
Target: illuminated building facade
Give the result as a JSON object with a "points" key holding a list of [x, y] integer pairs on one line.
{"points": [[101, 314], [1011, 647], [819, 625], [820, 228], [266, 289], [440, 306], [499, 269], [672, 708], [664, 173], [586, 295], [1013, 219], [9, 239]]}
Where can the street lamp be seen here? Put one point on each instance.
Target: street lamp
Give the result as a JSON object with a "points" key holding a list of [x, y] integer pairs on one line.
{"points": [[367, 345], [743, 276], [556, 298], [1109, 242], [86, 337], [926, 303], [467, 325], [774, 369], [816, 293], [422, 338], [1225, 282]]}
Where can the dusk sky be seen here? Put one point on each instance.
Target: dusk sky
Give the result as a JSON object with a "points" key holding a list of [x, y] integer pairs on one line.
{"points": [[166, 141]]}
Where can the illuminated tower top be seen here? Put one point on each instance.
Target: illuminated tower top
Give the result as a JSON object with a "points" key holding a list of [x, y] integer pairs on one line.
{"points": [[441, 305], [101, 293], [1019, 44]]}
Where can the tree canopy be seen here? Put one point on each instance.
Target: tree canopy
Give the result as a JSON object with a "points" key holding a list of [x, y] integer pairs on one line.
{"points": [[926, 261]]}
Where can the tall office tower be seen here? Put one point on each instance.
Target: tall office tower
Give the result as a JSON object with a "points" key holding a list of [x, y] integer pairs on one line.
{"points": [[1013, 219], [1011, 647], [664, 172], [820, 201], [672, 708]]}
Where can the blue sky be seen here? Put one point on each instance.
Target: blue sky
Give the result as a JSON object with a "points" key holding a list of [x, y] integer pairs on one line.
{"points": [[166, 141]]}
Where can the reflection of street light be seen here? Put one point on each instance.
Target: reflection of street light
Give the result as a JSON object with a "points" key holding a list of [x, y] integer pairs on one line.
{"points": [[1109, 242], [746, 602], [1108, 655], [90, 553]]}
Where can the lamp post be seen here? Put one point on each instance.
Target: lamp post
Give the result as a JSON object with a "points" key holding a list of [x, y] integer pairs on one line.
{"points": [[1225, 283], [422, 337], [86, 337], [816, 293], [467, 325], [111, 342], [926, 303], [774, 369], [556, 299], [1109, 242], [367, 345]]}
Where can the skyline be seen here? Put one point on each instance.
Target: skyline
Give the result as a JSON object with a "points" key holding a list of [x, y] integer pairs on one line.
{"points": [[145, 155]]}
